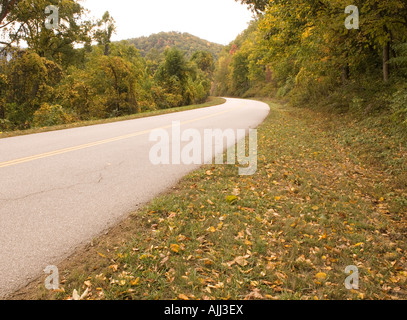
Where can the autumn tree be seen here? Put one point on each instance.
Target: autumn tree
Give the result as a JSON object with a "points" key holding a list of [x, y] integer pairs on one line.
{"points": [[105, 30], [27, 24], [204, 61], [30, 80], [257, 6]]}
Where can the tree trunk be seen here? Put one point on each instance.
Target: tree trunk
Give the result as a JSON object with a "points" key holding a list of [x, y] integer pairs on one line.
{"points": [[386, 66], [6, 7], [2, 112], [345, 73], [107, 49]]}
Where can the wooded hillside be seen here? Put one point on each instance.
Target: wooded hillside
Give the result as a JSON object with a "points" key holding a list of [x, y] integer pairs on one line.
{"points": [[157, 43]]}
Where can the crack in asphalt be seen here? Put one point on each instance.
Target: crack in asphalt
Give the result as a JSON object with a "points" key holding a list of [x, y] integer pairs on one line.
{"points": [[99, 180]]}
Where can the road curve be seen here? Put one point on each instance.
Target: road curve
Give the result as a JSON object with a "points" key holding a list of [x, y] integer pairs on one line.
{"points": [[61, 189]]}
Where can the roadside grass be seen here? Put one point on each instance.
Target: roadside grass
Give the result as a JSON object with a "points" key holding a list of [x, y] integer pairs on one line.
{"points": [[212, 101], [323, 198]]}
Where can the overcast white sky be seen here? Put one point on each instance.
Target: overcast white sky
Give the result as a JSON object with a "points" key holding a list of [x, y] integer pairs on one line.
{"points": [[218, 21]]}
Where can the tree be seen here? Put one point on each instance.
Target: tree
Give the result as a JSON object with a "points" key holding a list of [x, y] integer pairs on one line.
{"points": [[256, 6], [27, 24], [31, 80], [107, 86], [173, 74], [6, 6], [204, 61], [105, 32], [385, 23]]}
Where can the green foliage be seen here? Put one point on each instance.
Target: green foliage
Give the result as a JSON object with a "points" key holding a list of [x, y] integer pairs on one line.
{"points": [[302, 51], [239, 69], [60, 77], [204, 61], [256, 5], [184, 82], [106, 29], [27, 23], [30, 81], [156, 44], [51, 115], [399, 106]]}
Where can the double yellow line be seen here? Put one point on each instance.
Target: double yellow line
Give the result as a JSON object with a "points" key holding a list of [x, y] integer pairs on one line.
{"points": [[98, 143]]}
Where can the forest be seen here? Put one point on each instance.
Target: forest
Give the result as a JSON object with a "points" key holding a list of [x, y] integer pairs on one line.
{"points": [[301, 51], [75, 72], [156, 44]]}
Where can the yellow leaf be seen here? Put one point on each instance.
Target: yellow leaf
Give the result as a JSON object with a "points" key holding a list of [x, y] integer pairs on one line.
{"points": [[324, 236], [114, 267], [102, 255], [175, 248], [135, 282], [321, 276], [211, 229], [183, 297]]}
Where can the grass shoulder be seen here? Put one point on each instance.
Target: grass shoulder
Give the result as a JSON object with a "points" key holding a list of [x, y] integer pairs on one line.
{"points": [[211, 102]]}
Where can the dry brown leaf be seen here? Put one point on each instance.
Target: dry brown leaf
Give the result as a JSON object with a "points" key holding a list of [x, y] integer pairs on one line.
{"points": [[254, 295]]}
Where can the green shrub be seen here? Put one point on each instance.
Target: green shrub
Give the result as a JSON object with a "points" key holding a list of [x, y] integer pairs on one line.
{"points": [[18, 116], [51, 115], [5, 125], [399, 106]]}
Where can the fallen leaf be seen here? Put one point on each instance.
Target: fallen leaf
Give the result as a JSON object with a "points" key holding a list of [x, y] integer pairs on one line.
{"points": [[135, 282], [163, 261], [254, 295], [76, 297], [321, 276], [102, 255], [114, 267], [241, 261], [175, 248], [231, 199]]}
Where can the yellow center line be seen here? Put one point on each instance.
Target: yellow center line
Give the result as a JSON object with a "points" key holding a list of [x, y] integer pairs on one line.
{"points": [[98, 143]]}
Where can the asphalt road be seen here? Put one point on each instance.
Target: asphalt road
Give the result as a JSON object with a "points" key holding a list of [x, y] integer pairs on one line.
{"points": [[61, 189]]}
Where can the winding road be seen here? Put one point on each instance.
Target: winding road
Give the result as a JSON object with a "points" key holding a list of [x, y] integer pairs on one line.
{"points": [[61, 189]]}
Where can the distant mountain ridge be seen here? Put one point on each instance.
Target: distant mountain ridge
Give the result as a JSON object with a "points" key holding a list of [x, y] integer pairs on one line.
{"points": [[157, 43]]}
